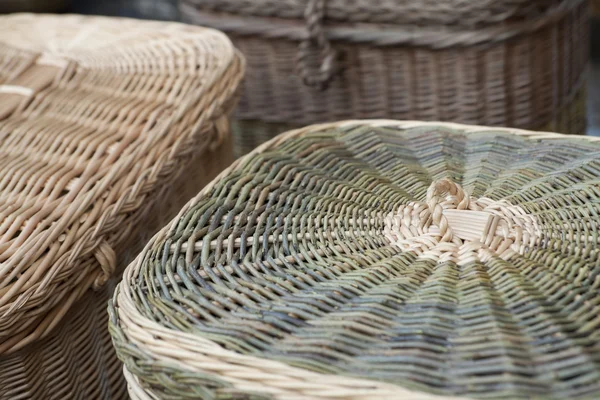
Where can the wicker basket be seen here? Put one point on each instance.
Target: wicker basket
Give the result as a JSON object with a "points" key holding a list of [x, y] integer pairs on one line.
{"points": [[107, 127], [376, 260], [517, 63]]}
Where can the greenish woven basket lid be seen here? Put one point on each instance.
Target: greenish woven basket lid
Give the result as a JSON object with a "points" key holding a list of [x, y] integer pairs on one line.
{"points": [[441, 259]]}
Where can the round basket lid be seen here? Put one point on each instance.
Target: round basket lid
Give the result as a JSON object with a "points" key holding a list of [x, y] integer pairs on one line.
{"points": [[96, 116], [377, 259]]}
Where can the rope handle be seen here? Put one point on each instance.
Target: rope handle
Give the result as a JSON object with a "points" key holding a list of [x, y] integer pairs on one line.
{"points": [[317, 41]]}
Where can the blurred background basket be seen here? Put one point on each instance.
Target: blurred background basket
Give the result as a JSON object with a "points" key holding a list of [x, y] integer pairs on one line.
{"points": [[378, 259], [107, 126], [500, 63]]}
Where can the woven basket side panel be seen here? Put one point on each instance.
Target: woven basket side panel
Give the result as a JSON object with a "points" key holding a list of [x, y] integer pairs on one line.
{"points": [[78, 360], [519, 83], [249, 134], [531, 81], [439, 12]]}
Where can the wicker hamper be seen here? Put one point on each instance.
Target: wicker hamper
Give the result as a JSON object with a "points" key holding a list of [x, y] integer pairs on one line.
{"points": [[376, 260], [518, 63], [107, 127]]}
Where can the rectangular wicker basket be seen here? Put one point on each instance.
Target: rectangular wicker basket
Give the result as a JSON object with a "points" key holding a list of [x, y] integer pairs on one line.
{"points": [[107, 126], [499, 63]]}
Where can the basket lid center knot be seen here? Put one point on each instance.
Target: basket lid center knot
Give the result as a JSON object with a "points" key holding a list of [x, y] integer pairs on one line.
{"points": [[441, 195], [452, 220]]}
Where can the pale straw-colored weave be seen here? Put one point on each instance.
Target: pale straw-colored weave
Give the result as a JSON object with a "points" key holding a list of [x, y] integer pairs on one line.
{"points": [[107, 126], [376, 259], [509, 63]]}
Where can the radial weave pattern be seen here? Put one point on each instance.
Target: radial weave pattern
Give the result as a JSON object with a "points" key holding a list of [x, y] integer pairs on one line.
{"points": [[99, 117], [367, 259]]}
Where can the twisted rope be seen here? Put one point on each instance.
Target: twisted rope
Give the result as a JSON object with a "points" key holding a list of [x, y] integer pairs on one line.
{"points": [[436, 207], [317, 43]]}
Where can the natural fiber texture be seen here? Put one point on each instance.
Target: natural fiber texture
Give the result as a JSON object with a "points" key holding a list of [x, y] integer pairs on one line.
{"points": [[99, 120], [376, 260], [77, 360], [518, 64], [454, 13], [251, 133]]}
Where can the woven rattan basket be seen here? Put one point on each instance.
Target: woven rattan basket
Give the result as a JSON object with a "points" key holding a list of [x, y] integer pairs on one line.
{"points": [[376, 260], [107, 127], [517, 63]]}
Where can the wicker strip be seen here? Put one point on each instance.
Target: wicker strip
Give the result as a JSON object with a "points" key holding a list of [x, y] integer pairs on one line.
{"points": [[376, 259], [100, 120], [519, 72]]}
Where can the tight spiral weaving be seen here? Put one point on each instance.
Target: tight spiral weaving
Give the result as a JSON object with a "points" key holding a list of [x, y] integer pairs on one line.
{"points": [[376, 260]]}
